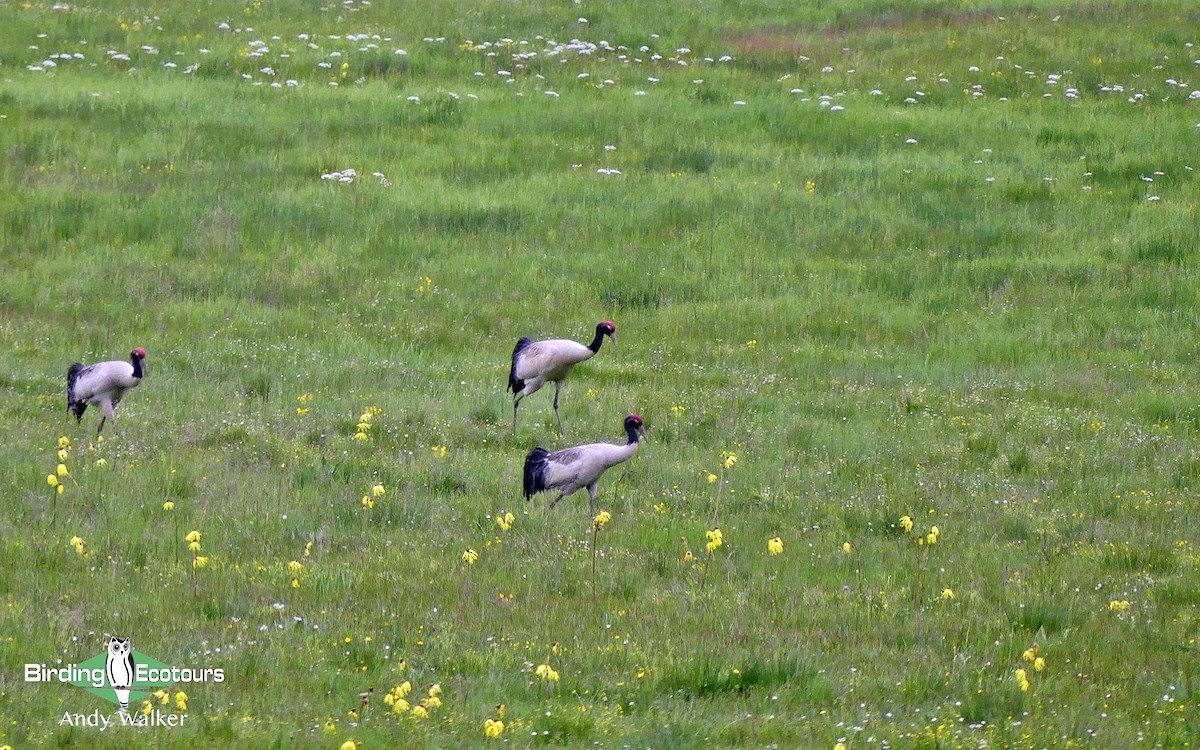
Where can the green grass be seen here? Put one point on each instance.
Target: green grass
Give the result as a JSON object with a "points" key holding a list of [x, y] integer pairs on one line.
{"points": [[935, 259]]}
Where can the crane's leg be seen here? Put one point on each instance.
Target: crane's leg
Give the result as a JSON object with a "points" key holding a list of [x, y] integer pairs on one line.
{"points": [[557, 388], [591, 488], [555, 500], [109, 410], [516, 401]]}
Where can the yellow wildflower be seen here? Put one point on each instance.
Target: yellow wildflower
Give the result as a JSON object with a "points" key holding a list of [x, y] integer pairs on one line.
{"points": [[294, 567], [147, 708], [360, 436], [64, 442], [169, 505], [180, 700], [1039, 664], [404, 688], [432, 702], [1030, 653], [163, 696], [349, 745], [435, 690], [728, 459], [367, 502], [469, 556], [193, 536], [1118, 605], [775, 545], [906, 523], [62, 454], [847, 548], [329, 727], [493, 728], [193, 547], [711, 478], [419, 712], [602, 518], [1022, 680], [715, 540], [61, 470], [51, 480], [947, 594], [546, 672], [199, 561], [377, 490], [687, 556]]}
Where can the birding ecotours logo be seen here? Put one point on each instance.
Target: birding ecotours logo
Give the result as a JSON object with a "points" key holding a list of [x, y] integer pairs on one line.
{"points": [[123, 676]]}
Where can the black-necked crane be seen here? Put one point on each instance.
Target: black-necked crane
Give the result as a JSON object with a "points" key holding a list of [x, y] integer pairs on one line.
{"points": [[535, 362], [103, 384], [571, 469]]}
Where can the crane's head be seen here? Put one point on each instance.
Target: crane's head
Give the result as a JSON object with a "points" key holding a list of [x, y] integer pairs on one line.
{"points": [[139, 352], [608, 328], [633, 426]]}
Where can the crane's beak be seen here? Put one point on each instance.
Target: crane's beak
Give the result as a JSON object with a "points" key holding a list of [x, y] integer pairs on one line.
{"points": [[613, 338], [642, 432]]}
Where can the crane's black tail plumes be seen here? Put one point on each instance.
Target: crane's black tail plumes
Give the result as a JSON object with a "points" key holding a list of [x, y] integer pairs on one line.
{"points": [[535, 471], [75, 407], [515, 384]]}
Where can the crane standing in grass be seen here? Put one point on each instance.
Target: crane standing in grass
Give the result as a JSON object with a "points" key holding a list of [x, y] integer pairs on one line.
{"points": [[103, 384], [571, 469], [535, 362]]}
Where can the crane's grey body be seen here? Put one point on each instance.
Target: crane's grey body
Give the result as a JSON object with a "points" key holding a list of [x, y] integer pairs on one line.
{"points": [[534, 363], [103, 384], [572, 469]]}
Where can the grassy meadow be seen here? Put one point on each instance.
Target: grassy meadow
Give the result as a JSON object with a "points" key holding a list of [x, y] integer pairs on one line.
{"points": [[867, 259]]}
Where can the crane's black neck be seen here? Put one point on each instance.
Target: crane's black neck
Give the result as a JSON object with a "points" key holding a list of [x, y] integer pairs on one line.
{"points": [[631, 431], [596, 342], [136, 361]]}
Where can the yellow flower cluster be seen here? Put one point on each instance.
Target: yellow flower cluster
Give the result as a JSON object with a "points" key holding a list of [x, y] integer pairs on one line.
{"points": [[947, 594], [906, 523], [366, 421], [1022, 680], [1030, 655], [395, 699], [303, 398], [728, 459], [602, 518], [493, 728], [295, 567], [715, 540], [79, 545], [847, 548], [775, 545], [505, 521], [546, 672], [424, 284], [469, 556], [439, 451], [377, 490], [1118, 605], [193, 544], [60, 471]]}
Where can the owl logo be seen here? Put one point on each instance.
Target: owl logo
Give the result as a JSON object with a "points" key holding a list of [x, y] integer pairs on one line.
{"points": [[120, 670]]}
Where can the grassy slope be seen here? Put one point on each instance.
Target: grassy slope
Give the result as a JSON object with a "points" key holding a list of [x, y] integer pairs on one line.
{"points": [[986, 327]]}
